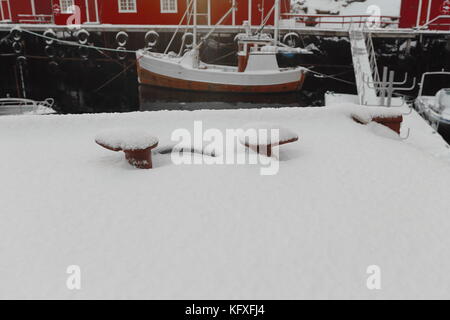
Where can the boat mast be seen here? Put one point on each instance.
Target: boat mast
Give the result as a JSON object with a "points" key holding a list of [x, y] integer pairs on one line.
{"points": [[277, 22], [194, 41], [195, 25]]}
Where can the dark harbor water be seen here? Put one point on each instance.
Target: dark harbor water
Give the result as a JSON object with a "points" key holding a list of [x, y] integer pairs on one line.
{"points": [[88, 81]]}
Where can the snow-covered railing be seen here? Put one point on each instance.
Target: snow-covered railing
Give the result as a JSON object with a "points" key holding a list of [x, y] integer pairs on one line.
{"points": [[342, 21], [35, 18], [365, 65], [356, 35], [372, 56]]}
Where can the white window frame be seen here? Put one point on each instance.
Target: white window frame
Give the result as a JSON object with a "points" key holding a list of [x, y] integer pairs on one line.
{"points": [[67, 9], [127, 10], [169, 10]]}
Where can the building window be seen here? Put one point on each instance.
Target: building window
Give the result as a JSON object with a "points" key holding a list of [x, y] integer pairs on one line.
{"points": [[169, 6], [127, 6], [67, 6]]}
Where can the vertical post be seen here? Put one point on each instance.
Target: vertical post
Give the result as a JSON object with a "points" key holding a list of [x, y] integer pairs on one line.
{"points": [[419, 13], [250, 13], [234, 12], [383, 86], [1, 10], [209, 12], [194, 43], [262, 12], [277, 22], [96, 12], [430, 4], [9, 11], [88, 18], [390, 88], [33, 8]]}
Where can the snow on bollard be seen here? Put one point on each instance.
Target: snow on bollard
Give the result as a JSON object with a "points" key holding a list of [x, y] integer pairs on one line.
{"points": [[262, 137], [384, 116], [136, 144]]}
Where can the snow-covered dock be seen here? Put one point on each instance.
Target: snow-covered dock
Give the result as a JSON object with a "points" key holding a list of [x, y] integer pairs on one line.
{"points": [[346, 196]]}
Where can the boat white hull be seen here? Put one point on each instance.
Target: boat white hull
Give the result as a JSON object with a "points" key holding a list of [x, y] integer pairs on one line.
{"points": [[157, 70]]}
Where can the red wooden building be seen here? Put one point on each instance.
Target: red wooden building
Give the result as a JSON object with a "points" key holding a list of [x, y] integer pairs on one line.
{"points": [[433, 14], [26, 11], [137, 12]]}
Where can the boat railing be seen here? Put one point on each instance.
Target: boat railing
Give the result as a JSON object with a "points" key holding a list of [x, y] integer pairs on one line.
{"points": [[429, 74]]}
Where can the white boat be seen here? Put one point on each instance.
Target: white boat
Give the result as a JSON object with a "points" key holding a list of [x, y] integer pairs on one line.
{"points": [[257, 71], [433, 101], [17, 106]]}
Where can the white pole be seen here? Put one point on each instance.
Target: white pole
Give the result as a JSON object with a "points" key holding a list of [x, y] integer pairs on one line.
{"points": [[419, 14], [277, 22], [96, 12], [234, 13], [194, 43], [9, 10], [87, 11], [33, 8], [1, 10], [430, 4], [250, 12]]}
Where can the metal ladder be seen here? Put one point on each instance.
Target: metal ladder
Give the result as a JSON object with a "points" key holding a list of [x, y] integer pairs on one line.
{"points": [[365, 65]]}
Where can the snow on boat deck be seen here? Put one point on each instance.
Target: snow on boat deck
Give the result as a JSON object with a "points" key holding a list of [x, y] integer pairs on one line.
{"points": [[347, 196]]}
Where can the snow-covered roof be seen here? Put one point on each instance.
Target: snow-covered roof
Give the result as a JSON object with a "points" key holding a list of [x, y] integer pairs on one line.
{"points": [[346, 196]]}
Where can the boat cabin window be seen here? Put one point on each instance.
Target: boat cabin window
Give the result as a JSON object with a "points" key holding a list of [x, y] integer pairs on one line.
{"points": [[435, 82], [169, 6], [127, 6], [67, 6]]}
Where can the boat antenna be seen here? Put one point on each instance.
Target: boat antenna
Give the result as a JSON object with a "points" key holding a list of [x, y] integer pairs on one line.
{"points": [[195, 24], [194, 41], [277, 22]]}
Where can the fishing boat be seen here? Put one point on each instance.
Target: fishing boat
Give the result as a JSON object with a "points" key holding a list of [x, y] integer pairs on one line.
{"points": [[18, 106], [433, 101], [257, 71]]}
